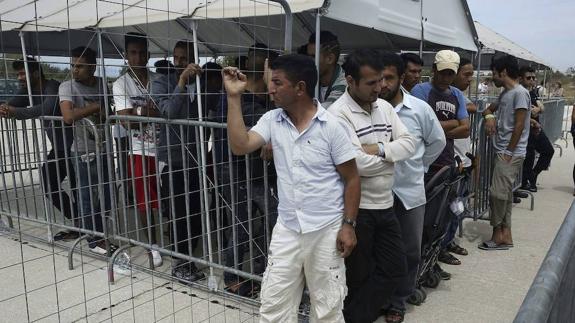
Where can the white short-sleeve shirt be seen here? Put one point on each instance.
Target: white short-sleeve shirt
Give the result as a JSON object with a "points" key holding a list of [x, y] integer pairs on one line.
{"points": [[128, 94], [311, 191]]}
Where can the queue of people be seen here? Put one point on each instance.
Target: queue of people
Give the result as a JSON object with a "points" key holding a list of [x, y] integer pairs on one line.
{"points": [[346, 166]]}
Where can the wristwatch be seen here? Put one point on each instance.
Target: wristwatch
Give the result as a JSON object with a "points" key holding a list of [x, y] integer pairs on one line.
{"points": [[349, 221]]}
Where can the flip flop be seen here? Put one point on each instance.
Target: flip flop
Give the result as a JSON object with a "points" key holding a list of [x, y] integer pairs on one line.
{"points": [[492, 245], [508, 245]]}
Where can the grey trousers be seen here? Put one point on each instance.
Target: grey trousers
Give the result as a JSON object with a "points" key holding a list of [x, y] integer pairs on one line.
{"points": [[411, 222]]}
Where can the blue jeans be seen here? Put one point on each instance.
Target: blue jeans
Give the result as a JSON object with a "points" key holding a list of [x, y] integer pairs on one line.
{"points": [[89, 190]]}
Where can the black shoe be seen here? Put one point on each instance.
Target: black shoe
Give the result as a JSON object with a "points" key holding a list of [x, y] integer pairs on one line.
{"points": [[520, 194], [516, 200], [66, 235], [187, 272], [532, 188], [525, 187], [443, 275]]}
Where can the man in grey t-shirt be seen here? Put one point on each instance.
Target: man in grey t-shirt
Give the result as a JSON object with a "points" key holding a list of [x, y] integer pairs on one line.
{"points": [[82, 103], [511, 131]]}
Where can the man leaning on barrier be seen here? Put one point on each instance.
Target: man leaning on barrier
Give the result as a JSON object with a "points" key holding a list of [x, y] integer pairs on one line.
{"points": [[255, 102], [82, 105], [175, 95], [56, 168], [510, 131], [318, 185]]}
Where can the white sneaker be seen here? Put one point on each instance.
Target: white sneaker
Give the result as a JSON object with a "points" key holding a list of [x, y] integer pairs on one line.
{"points": [[156, 257], [98, 250]]}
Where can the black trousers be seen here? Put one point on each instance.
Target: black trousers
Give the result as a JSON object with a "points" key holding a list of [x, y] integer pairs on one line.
{"points": [[376, 266], [53, 172], [541, 144], [186, 232]]}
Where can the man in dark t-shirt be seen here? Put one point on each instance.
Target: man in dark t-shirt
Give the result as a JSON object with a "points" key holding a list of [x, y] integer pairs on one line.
{"points": [[538, 140], [254, 103], [448, 103], [45, 103]]}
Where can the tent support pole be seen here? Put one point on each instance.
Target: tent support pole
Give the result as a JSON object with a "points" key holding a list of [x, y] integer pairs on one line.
{"points": [[317, 48], [26, 70], [212, 281], [478, 72], [289, 24], [422, 32]]}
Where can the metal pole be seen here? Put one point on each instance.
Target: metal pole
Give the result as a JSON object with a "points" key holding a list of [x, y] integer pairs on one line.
{"points": [[478, 72], [25, 58], [212, 282], [422, 36], [317, 48], [289, 23]]}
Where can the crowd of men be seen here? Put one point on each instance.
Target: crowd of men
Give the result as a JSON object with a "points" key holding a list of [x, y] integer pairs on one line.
{"points": [[346, 165]]}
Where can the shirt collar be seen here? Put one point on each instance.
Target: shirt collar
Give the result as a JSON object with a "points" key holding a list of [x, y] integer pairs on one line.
{"points": [[320, 114], [353, 106]]}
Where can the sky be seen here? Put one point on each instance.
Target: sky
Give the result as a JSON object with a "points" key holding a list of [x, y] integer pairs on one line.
{"points": [[544, 27]]}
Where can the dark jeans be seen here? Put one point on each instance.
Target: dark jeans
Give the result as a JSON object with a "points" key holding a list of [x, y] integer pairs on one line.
{"points": [[239, 244], [92, 192], [411, 223], [541, 144], [376, 266], [53, 172], [183, 206]]}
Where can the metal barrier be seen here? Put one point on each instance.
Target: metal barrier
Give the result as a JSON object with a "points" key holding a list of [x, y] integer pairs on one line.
{"points": [[552, 121], [552, 294]]}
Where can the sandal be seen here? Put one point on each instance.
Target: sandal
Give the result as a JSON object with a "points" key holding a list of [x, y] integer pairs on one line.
{"points": [[456, 249], [447, 258], [492, 245], [394, 315]]}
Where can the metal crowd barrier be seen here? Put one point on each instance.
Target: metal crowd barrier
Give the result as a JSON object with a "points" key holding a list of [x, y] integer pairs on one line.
{"points": [[552, 121], [552, 293], [24, 198]]}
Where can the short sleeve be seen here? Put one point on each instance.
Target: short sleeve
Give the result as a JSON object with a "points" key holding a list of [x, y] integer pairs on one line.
{"points": [[65, 92], [264, 125], [419, 92], [342, 150], [522, 100]]}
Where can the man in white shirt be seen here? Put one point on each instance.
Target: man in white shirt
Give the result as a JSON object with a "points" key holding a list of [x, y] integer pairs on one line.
{"points": [[377, 265], [318, 188], [131, 98]]}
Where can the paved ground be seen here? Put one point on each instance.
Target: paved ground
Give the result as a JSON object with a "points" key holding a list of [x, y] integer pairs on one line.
{"points": [[487, 287]]}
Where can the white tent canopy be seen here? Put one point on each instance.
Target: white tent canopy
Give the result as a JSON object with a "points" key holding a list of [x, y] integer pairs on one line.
{"points": [[492, 40], [228, 26]]}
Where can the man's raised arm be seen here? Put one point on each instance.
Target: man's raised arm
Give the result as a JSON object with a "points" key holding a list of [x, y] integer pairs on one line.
{"points": [[240, 139]]}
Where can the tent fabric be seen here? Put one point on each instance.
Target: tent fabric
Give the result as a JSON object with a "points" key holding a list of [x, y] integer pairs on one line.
{"points": [[497, 42]]}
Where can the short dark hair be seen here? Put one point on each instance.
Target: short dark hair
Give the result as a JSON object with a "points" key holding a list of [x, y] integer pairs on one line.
{"points": [[391, 59], [88, 54], [164, 66], [526, 69], [463, 61], [411, 58], [262, 50], [362, 57], [187, 46], [213, 69], [135, 38], [507, 63], [329, 42], [33, 65], [298, 68]]}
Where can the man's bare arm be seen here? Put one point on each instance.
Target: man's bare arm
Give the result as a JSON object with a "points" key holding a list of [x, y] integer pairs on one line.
{"points": [[461, 131], [346, 239]]}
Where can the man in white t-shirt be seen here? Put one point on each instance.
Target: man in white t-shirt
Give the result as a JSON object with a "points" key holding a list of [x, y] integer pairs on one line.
{"points": [[131, 98]]}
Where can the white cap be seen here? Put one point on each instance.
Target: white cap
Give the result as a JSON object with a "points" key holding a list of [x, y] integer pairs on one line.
{"points": [[447, 59]]}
